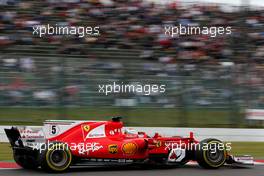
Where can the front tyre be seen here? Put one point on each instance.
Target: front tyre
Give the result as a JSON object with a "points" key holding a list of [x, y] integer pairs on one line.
{"points": [[211, 153], [56, 158]]}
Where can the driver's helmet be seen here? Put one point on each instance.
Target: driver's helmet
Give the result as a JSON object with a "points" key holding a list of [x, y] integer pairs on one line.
{"points": [[131, 131]]}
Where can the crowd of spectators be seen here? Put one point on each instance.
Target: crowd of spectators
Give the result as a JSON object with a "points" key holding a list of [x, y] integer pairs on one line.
{"points": [[137, 24]]}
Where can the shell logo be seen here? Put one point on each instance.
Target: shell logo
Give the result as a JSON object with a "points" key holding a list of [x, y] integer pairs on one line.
{"points": [[129, 148]]}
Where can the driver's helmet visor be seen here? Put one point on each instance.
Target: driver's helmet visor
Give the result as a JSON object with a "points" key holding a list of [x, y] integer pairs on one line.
{"points": [[130, 131]]}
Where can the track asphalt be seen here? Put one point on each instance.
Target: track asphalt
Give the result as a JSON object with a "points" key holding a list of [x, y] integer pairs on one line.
{"points": [[188, 170]]}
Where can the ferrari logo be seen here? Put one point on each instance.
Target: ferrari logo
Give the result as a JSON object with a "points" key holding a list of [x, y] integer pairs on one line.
{"points": [[86, 128], [85, 131], [113, 148], [158, 144]]}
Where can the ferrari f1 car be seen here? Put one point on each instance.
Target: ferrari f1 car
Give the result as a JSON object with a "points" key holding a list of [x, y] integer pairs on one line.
{"points": [[59, 145]]}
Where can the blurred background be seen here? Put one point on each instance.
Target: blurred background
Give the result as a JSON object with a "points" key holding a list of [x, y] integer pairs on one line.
{"points": [[210, 82]]}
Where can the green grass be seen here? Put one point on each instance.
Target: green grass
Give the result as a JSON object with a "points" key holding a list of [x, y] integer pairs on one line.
{"points": [[255, 149], [132, 116], [238, 148], [5, 152]]}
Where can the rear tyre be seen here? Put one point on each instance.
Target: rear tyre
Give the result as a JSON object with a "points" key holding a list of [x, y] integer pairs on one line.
{"points": [[211, 154], [56, 158]]}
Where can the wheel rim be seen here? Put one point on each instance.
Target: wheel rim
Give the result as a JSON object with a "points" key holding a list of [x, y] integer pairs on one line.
{"points": [[58, 158], [215, 155]]}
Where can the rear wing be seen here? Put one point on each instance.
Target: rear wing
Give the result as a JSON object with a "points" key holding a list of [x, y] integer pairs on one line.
{"points": [[14, 136]]}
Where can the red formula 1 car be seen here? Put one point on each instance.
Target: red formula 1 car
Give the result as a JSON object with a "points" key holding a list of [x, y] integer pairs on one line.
{"points": [[61, 144]]}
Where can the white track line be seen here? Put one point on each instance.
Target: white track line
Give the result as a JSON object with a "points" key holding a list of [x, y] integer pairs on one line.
{"points": [[191, 163]]}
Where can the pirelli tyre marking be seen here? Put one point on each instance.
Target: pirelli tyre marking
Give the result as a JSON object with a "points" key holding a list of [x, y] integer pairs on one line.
{"points": [[58, 157], [207, 155], [212, 153]]}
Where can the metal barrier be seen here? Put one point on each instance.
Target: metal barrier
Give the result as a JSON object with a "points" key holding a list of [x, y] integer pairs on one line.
{"points": [[74, 82]]}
